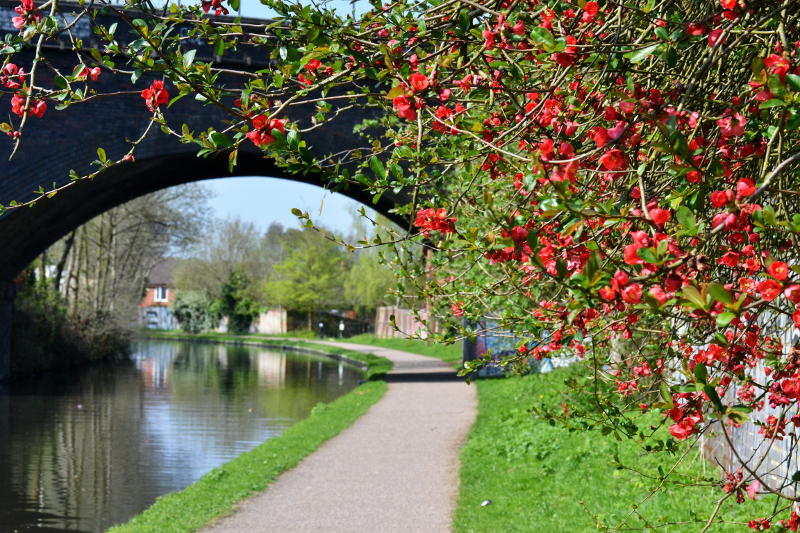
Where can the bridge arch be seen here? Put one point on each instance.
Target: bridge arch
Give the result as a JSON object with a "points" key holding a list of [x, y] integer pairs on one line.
{"points": [[28, 231]]}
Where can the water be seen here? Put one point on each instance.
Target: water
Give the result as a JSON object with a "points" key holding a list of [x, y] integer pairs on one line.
{"points": [[86, 451]]}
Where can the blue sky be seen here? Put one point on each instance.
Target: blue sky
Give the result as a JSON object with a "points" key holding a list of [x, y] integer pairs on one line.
{"points": [[266, 200]]}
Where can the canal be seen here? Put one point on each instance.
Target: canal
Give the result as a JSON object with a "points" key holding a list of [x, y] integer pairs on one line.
{"points": [[85, 451]]}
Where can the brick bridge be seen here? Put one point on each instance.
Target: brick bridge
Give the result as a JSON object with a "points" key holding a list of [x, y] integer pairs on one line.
{"points": [[68, 139]]}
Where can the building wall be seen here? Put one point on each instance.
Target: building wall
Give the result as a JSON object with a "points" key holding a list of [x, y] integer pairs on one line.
{"points": [[156, 315]]}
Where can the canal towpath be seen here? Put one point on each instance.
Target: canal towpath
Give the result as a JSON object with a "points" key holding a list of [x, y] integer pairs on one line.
{"points": [[394, 470]]}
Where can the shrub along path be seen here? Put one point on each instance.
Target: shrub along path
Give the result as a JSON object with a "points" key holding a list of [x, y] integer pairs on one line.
{"points": [[396, 469]]}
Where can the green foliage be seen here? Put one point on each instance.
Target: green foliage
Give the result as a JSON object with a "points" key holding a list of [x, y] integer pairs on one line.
{"points": [[194, 311], [235, 303], [311, 275], [367, 283], [47, 337]]}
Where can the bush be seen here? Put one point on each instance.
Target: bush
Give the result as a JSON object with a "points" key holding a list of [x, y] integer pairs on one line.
{"points": [[194, 313], [46, 337]]}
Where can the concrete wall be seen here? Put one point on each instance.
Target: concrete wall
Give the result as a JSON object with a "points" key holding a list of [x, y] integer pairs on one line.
{"points": [[271, 322]]}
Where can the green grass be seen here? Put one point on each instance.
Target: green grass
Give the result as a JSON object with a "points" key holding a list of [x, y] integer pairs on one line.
{"points": [[537, 475], [449, 353], [216, 493]]}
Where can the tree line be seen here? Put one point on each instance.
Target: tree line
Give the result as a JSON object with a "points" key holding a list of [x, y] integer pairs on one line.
{"points": [[237, 271]]}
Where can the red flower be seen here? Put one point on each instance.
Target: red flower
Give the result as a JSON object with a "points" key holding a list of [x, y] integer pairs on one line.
{"points": [[313, 65], [632, 294], [796, 318], [792, 293], [155, 95], [694, 176], [769, 289], [778, 270], [713, 37], [434, 220], [745, 187], [728, 4], [36, 108], [659, 216], [614, 160], [419, 82], [591, 8], [261, 134], [404, 107], [720, 198], [732, 126]]}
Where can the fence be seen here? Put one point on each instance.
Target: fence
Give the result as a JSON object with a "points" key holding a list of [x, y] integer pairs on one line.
{"points": [[775, 462], [408, 325]]}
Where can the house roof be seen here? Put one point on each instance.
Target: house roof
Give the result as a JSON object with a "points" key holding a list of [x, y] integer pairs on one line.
{"points": [[161, 273]]}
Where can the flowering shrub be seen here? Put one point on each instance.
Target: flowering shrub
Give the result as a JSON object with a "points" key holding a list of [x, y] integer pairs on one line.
{"points": [[612, 182]]}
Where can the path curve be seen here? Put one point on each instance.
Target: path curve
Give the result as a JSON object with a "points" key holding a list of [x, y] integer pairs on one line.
{"points": [[394, 470]]}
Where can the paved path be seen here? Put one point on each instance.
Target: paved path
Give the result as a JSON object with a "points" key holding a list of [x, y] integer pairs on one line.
{"points": [[394, 470]]}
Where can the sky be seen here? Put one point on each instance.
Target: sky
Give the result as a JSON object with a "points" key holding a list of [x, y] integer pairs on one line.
{"points": [[266, 200]]}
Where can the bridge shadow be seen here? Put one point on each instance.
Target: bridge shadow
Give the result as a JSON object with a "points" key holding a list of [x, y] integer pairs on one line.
{"points": [[423, 377]]}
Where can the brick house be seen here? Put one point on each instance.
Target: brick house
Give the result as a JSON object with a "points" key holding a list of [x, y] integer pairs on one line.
{"points": [[159, 293]]}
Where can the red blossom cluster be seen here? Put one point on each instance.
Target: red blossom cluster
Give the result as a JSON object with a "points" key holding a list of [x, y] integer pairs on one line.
{"points": [[261, 134], [27, 13], [216, 5], [155, 95], [430, 220]]}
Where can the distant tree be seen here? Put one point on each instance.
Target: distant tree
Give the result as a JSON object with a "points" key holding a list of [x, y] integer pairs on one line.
{"points": [[194, 311], [235, 303], [228, 246], [311, 276], [368, 283]]}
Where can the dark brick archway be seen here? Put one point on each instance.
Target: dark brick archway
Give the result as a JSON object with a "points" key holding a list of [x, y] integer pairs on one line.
{"points": [[27, 232]]}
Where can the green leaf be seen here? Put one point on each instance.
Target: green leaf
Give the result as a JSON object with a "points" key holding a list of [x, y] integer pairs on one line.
{"points": [[711, 392], [637, 56], [188, 58], [542, 36], [720, 293], [234, 4], [220, 140], [723, 319], [771, 103], [686, 219], [561, 268], [793, 80], [647, 254], [377, 168], [101, 155], [701, 373], [666, 395], [694, 297], [293, 139]]}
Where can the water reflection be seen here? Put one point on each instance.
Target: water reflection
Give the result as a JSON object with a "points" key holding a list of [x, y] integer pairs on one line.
{"points": [[83, 452]]}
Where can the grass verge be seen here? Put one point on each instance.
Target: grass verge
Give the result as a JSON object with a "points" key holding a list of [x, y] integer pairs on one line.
{"points": [[216, 493], [544, 479]]}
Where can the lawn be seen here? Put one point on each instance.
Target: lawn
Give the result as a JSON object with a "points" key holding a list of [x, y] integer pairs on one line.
{"points": [[545, 479]]}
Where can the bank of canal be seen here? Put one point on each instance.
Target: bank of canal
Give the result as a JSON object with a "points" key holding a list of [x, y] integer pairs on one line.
{"points": [[85, 451]]}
